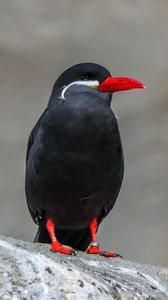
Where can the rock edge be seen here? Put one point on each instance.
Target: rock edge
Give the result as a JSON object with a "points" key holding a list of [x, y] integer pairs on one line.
{"points": [[31, 271]]}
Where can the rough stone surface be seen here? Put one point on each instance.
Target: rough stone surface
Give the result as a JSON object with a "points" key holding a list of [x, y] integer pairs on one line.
{"points": [[31, 271]]}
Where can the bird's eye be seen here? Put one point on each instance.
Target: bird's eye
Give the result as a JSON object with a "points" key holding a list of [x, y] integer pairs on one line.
{"points": [[86, 76], [83, 77]]}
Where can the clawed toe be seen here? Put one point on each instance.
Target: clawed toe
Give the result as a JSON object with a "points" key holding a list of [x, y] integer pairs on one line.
{"points": [[110, 254], [57, 247], [97, 250]]}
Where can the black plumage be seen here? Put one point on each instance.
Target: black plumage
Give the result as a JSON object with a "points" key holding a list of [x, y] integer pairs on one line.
{"points": [[74, 164]]}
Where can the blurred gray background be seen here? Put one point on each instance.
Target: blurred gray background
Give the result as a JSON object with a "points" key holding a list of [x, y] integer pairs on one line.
{"points": [[38, 40]]}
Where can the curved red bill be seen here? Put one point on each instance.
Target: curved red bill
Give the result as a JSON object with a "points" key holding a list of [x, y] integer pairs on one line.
{"points": [[115, 84]]}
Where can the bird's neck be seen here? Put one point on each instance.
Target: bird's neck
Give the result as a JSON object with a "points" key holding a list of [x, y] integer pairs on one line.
{"points": [[61, 95]]}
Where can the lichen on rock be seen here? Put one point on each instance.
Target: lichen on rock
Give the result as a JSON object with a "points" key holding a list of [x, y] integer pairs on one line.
{"points": [[31, 271]]}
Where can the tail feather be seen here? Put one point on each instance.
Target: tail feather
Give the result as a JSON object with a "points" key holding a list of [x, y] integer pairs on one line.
{"points": [[77, 239]]}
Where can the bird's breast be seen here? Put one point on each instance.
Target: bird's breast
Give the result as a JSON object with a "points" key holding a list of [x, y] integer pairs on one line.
{"points": [[81, 143], [81, 135]]}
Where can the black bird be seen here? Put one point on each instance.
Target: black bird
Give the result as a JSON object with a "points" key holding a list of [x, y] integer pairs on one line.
{"points": [[74, 164]]}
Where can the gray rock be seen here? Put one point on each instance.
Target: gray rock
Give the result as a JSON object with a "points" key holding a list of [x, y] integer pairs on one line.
{"points": [[31, 271]]}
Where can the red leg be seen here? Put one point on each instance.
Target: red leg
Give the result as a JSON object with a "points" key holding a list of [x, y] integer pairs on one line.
{"points": [[56, 246], [94, 247]]}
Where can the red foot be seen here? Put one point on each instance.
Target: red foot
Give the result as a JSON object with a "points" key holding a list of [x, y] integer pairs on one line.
{"points": [[110, 254], [57, 247], [96, 250]]}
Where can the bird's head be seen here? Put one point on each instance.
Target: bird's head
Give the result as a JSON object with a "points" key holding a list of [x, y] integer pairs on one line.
{"points": [[94, 76]]}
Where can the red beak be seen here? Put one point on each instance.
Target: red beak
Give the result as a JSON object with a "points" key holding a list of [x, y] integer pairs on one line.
{"points": [[115, 84]]}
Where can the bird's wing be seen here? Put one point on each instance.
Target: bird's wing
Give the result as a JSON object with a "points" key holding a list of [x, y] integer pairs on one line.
{"points": [[31, 142], [33, 135], [109, 205]]}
